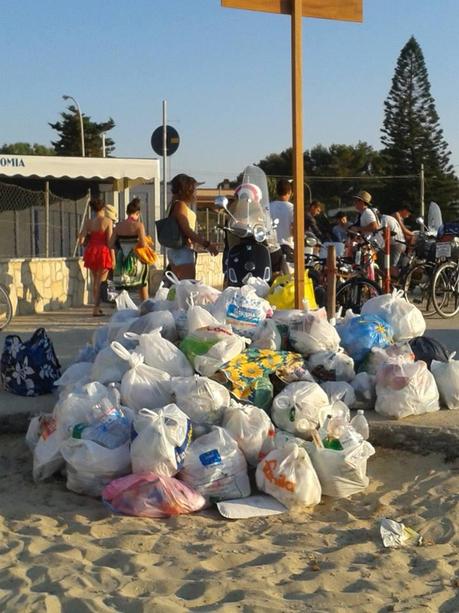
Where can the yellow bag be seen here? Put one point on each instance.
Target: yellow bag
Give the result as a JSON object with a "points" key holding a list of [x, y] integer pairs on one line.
{"points": [[147, 254], [282, 293]]}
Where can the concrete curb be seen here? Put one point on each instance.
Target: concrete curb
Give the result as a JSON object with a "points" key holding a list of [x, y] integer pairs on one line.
{"points": [[416, 438]]}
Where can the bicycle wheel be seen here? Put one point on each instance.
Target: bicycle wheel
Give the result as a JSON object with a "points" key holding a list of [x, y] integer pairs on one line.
{"points": [[445, 291], [6, 308], [354, 293], [417, 286]]}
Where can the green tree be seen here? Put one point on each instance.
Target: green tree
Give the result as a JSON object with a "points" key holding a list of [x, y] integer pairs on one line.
{"points": [[26, 149], [322, 166], [69, 142], [411, 133]]}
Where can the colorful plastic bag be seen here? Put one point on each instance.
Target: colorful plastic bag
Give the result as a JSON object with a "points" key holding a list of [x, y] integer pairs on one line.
{"points": [[360, 334], [149, 495], [282, 294]]}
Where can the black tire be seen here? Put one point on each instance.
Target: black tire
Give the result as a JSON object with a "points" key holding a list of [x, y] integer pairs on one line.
{"points": [[417, 287], [354, 293], [6, 308], [445, 290]]}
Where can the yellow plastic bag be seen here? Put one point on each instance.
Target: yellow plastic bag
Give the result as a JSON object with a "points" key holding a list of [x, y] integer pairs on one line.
{"points": [[282, 294]]}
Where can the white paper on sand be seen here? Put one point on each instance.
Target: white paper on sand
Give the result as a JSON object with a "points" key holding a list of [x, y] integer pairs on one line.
{"points": [[252, 506]]}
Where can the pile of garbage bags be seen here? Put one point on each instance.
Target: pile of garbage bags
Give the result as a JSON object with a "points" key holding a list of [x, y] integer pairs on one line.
{"points": [[199, 396]]}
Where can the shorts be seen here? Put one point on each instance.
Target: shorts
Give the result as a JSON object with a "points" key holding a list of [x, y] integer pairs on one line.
{"points": [[396, 252], [181, 257]]}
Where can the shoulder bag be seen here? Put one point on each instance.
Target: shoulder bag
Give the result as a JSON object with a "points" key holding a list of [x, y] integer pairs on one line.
{"points": [[169, 232]]}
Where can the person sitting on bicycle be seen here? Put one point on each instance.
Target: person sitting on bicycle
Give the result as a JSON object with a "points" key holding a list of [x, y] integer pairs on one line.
{"points": [[367, 222], [402, 212]]}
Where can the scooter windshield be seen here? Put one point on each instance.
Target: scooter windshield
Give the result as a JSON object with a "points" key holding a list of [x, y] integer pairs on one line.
{"points": [[245, 214]]}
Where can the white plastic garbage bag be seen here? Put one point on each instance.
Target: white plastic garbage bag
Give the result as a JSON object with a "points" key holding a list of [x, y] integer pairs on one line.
{"points": [[80, 372], [152, 321], [199, 317], [47, 457], [339, 390], [108, 367], [267, 336], [332, 365], [311, 333], [78, 406], [183, 290], [364, 386], [379, 356], [161, 353], [405, 318], [181, 322], [405, 388], [124, 301], [218, 308], [90, 467], [260, 286], [289, 476], [300, 408], [100, 338], [209, 348], [163, 437], [202, 399], [142, 387], [252, 430], [123, 316], [245, 311], [342, 473], [216, 467], [447, 378]]}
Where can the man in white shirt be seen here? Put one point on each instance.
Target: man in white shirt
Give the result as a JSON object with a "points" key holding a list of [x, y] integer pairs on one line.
{"points": [[397, 240], [367, 222], [282, 209]]}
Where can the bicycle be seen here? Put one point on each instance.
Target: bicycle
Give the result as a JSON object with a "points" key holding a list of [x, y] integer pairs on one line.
{"points": [[6, 308], [445, 282]]}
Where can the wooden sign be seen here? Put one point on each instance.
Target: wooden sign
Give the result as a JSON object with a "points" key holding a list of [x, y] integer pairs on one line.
{"points": [[344, 10]]}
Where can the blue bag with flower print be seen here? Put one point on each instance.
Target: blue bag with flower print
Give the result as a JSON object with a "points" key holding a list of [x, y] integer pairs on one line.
{"points": [[29, 368]]}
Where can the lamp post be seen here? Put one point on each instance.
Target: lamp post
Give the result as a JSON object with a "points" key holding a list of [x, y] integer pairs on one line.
{"points": [[81, 122]]}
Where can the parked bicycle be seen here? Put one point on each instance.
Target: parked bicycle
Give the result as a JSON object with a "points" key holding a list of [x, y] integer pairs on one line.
{"points": [[6, 308]]}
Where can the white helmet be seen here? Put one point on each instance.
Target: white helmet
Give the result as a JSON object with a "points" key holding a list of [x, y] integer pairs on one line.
{"points": [[250, 191]]}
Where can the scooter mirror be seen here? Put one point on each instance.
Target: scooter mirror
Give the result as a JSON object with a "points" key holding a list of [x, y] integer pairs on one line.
{"points": [[420, 221], [221, 202]]}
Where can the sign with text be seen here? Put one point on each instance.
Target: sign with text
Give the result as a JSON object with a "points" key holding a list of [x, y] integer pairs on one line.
{"points": [[345, 10]]}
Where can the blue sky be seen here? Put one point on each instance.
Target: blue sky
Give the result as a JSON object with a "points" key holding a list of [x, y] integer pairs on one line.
{"points": [[224, 73]]}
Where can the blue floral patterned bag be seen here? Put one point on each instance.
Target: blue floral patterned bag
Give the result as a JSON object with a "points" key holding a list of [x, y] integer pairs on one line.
{"points": [[29, 368]]}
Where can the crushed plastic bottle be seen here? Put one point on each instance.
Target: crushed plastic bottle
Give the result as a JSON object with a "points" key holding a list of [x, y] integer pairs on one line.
{"points": [[360, 424]]}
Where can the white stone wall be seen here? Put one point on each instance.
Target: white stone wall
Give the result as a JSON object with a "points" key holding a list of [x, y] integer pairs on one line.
{"points": [[44, 284], [49, 284]]}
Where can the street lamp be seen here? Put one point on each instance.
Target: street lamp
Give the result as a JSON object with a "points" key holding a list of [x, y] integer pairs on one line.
{"points": [[81, 122]]}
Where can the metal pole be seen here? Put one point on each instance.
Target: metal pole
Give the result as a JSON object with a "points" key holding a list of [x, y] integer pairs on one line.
{"points": [[164, 203], [298, 164], [61, 223], [331, 283], [103, 145], [47, 219], [16, 234], [387, 259], [83, 153], [86, 206], [422, 190]]}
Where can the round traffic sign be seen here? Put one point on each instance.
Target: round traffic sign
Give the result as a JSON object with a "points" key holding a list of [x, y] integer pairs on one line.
{"points": [[172, 140]]}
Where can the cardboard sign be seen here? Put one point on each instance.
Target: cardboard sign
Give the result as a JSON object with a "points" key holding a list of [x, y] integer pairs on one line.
{"points": [[344, 10]]}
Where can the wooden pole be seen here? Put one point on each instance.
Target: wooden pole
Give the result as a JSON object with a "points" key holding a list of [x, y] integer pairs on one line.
{"points": [[331, 283], [298, 164]]}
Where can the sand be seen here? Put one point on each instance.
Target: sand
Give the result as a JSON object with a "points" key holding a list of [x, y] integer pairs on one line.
{"points": [[64, 552]]}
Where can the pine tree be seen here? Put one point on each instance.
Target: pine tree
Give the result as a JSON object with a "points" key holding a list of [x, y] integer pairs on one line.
{"points": [[412, 135], [69, 142]]}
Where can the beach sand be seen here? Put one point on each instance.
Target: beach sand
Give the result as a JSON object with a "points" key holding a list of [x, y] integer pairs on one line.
{"points": [[64, 552]]}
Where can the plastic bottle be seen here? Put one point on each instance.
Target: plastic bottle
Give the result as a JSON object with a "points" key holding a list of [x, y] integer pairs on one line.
{"points": [[110, 429], [360, 424], [114, 395]]}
